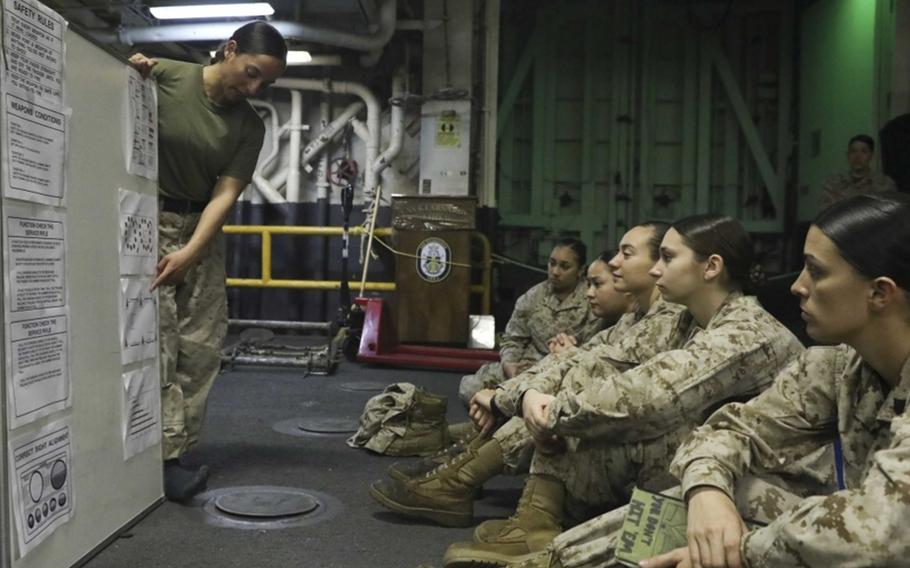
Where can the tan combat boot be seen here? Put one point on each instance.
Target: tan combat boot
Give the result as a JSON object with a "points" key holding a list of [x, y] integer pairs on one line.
{"points": [[409, 470], [535, 524], [446, 494]]}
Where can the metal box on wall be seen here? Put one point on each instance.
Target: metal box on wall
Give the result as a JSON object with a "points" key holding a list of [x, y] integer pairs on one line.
{"points": [[433, 281], [445, 140]]}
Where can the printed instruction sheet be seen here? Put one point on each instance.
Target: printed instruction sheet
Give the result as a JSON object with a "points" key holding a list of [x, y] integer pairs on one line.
{"points": [[35, 50], [35, 305], [37, 353], [142, 126], [41, 479], [138, 233], [34, 150], [141, 410], [35, 257]]}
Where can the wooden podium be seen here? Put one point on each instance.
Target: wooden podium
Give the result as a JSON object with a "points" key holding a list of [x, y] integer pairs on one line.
{"points": [[433, 296]]}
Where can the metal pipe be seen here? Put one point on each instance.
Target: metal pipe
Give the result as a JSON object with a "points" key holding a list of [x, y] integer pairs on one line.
{"points": [[322, 171], [322, 285], [370, 58], [287, 361], [267, 162], [345, 87], [259, 181], [360, 129], [322, 200], [300, 231], [328, 132], [396, 126], [292, 192], [267, 190], [279, 324], [298, 31], [307, 284]]}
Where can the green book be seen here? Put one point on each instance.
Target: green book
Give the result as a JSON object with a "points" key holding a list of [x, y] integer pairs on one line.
{"points": [[654, 524]]}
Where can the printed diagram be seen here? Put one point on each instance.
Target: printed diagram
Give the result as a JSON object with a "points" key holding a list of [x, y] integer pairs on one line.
{"points": [[42, 487], [138, 235], [138, 320], [142, 409], [140, 312]]}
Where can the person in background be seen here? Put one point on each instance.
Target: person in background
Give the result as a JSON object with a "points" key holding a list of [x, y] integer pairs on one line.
{"points": [[209, 142], [550, 308], [861, 179]]}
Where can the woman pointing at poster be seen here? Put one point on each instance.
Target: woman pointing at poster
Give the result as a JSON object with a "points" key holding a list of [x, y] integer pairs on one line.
{"points": [[209, 142]]}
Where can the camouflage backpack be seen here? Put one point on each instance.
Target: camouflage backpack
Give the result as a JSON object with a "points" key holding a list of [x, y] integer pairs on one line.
{"points": [[403, 420]]}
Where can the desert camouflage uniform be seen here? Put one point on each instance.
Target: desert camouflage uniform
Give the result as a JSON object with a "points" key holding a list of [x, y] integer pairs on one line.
{"points": [[193, 323], [623, 427], [538, 317], [592, 544], [828, 392], [641, 334], [840, 187], [636, 337]]}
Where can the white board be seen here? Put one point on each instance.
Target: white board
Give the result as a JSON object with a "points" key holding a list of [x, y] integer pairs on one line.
{"points": [[108, 492]]}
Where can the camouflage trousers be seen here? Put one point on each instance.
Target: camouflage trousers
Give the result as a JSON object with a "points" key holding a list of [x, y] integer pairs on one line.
{"points": [[487, 376], [515, 442], [193, 324], [593, 543], [600, 477]]}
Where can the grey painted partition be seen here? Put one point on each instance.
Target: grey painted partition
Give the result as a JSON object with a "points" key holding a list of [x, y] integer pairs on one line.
{"points": [[108, 492]]}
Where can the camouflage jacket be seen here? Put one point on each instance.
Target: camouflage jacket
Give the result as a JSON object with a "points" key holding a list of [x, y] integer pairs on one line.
{"points": [[737, 355], [842, 186], [635, 338], [539, 316], [828, 391]]}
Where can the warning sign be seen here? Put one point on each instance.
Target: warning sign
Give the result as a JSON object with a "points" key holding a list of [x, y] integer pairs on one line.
{"points": [[448, 133]]}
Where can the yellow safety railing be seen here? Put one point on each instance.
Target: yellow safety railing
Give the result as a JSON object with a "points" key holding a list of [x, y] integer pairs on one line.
{"points": [[266, 280]]}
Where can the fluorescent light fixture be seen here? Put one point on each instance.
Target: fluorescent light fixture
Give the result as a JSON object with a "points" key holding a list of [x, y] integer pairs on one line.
{"points": [[294, 57], [213, 11], [299, 57]]}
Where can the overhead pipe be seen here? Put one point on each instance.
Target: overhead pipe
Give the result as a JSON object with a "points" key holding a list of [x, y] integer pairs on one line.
{"points": [[267, 164], [267, 190], [292, 192], [220, 31], [318, 143], [372, 104], [323, 204], [329, 132], [396, 126], [360, 130]]}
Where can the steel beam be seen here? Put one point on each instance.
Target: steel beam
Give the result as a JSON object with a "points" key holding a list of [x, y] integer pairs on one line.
{"points": [[785, 78], [705, 118], [487, 190], [689, 122], [532, 49], [539, 109], [646, 126], [750, 132]]}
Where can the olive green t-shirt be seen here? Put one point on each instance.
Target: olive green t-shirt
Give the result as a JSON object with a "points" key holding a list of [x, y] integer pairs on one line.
{"points": [[198, 139]]}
